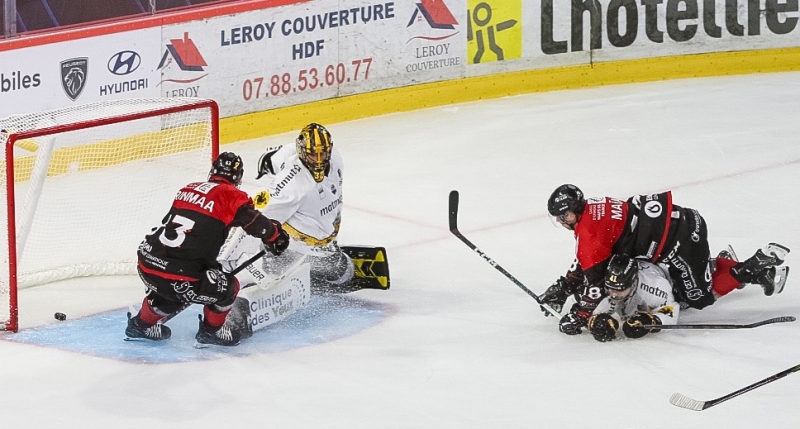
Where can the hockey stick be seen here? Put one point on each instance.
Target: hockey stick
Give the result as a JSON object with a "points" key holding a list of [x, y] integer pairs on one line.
{"points": [[235, 271], [247, 263], [679, 400], [725, 326], [457, 233]]}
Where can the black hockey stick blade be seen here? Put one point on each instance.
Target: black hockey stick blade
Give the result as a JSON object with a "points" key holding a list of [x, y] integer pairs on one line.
{"points": [[453, 205], [725, 326], [683, 401], [453, 221]]}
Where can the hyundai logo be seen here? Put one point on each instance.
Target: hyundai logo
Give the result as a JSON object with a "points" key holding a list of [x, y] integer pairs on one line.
{"points": [[124, 62]]}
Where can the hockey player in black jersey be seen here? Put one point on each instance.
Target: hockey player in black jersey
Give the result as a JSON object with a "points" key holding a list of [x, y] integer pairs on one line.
{"points": [[178, 259]]}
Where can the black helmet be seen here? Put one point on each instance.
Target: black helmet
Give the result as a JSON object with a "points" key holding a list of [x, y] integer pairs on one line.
{"points": [[314, 148], [622, 276], [228, 166], [566, 198]]}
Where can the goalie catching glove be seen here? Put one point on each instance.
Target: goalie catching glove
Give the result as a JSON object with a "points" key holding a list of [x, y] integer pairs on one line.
{"points": [[603, 327], [633, 326]]}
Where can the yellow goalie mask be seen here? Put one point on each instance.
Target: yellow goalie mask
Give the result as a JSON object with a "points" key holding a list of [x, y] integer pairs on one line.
{"points": [[314, 149]]}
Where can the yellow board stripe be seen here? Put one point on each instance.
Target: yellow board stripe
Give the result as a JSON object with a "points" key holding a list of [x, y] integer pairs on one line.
{"points": [[277, 121]]}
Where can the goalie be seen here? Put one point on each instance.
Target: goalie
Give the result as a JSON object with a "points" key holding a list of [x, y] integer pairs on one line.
{"points": [[304, 192]]}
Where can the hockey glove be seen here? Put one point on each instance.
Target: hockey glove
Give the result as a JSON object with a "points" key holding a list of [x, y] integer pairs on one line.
{"points": [[603, 327], [571, 324], [279, 240], [633, 326], [555, 296]]}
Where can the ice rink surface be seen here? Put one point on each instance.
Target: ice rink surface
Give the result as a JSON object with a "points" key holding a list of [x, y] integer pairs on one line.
{"points": [[454, 344]]}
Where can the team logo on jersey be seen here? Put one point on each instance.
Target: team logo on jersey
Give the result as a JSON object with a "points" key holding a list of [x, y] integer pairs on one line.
{"points": [[653, 209], [74, 73], [181, 287], [261, 199]]}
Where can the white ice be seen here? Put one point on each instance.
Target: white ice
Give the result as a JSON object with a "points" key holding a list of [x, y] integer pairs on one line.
{"points": [[463, 347]]}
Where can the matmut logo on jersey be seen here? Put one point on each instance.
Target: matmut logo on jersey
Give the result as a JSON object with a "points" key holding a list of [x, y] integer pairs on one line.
{"points": [[184, 55], [434, 24]]}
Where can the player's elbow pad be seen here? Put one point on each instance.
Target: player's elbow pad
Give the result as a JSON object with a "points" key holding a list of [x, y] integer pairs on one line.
{"points": [[260, 227]]}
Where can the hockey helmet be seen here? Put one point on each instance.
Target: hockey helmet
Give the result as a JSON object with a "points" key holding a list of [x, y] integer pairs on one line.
{"points": [[229, 167], [566, 198], [622, 277], [314, 148]]}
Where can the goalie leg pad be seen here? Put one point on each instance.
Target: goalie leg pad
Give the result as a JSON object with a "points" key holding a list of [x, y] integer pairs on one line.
{"points": [[371, 267]]}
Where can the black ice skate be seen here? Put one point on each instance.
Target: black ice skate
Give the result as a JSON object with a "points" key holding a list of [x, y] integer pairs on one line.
{"points": [[216, 335], [137, 329], [238, 319], [773, 279], [748, 271]]}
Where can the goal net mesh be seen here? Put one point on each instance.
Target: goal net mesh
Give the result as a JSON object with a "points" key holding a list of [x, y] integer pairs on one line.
{"points": [[84, 184]]}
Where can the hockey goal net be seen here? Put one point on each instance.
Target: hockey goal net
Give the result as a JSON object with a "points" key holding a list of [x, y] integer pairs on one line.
{"points": [[84, 184]]}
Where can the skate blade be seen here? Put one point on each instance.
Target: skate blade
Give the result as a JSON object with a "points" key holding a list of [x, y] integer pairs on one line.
{"points": [[781, 274], [201, 346]]}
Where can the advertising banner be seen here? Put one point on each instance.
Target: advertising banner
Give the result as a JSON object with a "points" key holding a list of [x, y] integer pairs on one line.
{"points": [[561, 33], [288, 55], [296, 54], [110, 67]]}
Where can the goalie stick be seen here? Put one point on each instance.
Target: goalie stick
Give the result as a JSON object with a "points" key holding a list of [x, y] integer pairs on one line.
{"points": [[457, 233], [682, 401], [725, 326]]}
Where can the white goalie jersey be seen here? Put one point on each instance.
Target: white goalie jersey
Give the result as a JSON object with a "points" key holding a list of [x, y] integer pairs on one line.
{"points": [[654, 295], [309, 211]]}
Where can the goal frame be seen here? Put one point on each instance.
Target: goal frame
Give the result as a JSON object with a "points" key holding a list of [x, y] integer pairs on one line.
{"points": [[13, 319]]}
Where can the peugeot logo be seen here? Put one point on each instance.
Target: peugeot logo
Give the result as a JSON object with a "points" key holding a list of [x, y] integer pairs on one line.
{"points": [[124, 62]]}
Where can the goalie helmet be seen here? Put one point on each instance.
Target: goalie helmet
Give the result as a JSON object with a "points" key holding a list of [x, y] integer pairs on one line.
{"points": [[566, 198], [622, 277], [314, 148], [228, 166]]}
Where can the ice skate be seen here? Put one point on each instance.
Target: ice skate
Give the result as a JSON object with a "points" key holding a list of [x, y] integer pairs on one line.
{"points": [[138, 329], [216, 335], [238, 319], [771, 255], [731, 255], [773, 279]]}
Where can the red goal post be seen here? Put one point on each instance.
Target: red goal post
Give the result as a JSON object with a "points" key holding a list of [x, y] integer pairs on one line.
{"points": [[84, 184]]}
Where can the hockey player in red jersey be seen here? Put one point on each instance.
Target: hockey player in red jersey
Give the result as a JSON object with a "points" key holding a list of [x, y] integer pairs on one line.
{"points": [[178, 259], [650, 227]]}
